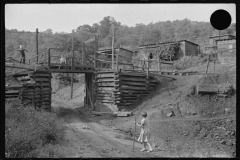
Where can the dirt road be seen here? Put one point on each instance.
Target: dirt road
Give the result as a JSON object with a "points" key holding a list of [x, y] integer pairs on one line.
{"points": [[98, 140]]}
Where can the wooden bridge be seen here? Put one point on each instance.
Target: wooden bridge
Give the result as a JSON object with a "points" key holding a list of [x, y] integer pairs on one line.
{"points": [[115, 87]]}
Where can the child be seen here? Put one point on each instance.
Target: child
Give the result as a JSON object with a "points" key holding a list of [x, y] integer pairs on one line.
{"points": [[144, 134], [63, 60]]}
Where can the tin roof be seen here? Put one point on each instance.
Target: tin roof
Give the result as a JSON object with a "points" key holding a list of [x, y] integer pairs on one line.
{"points": [[226, 39], [109, 49], [160, 43], [221, 35]]}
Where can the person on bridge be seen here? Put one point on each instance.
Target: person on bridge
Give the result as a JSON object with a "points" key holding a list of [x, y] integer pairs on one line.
{"points": [[144, 136], [22, 52], [150, 57], [63, 60]]}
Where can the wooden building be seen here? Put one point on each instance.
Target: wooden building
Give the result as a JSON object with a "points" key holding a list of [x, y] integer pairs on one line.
{"points": [[212, 39], [105, 54], [187, 48], [225, 44]]}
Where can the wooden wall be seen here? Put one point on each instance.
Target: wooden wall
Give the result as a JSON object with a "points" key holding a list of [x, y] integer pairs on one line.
{"points": [[191, 49], [123, 89], [227, 57], [34, 88]]}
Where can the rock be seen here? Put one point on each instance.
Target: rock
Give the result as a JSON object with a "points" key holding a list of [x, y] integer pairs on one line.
{"points": [[223, 142], [171, 114]]}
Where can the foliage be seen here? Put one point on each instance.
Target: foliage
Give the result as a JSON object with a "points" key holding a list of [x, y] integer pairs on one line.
{"points": [[126, 36], [27, 130]]}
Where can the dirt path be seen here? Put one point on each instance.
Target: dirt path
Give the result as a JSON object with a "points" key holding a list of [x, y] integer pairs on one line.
{"points": [[98, 141]]}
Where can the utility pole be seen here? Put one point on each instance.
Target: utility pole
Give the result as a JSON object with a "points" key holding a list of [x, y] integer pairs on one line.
{"points": [[113, 47], [112, 20], [72, 68], [37, 43]]}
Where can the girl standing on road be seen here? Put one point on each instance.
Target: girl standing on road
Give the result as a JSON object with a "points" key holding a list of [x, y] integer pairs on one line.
{"points": [[144, 134]]}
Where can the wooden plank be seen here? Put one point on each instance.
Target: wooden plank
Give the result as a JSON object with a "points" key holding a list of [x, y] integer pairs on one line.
{"points": [[133, 79], [126, 87], [106, 84], [36, 89], [14, 87], [39, 84], [101, 113], [106, 75], [133, 83], [42, 79], [122, 114], [102, 89], [106, 80]]}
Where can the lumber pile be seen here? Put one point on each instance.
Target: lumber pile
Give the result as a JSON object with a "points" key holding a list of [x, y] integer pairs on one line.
{"points": [[33, 87], [123, 89]]}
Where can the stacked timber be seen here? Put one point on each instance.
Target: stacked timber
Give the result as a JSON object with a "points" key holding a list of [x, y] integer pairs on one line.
{"points": [[34, 87], [123, 89]]}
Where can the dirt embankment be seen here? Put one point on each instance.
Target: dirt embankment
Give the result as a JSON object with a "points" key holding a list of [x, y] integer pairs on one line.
{"points": [[186, 124]]}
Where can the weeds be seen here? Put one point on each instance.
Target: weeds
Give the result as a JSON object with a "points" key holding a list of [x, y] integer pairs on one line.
{"points": [[28, 131]]}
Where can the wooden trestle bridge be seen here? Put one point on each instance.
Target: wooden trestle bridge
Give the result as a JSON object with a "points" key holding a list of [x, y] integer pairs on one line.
{"points": [[115, 88]]}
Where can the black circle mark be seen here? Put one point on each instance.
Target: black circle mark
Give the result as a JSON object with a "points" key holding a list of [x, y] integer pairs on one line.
{"points": [[220, 19]]}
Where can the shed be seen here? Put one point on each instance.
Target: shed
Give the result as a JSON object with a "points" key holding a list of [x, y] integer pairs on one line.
{"points": [[212, 39], [225, 44], [187, 48], [125, 55]]}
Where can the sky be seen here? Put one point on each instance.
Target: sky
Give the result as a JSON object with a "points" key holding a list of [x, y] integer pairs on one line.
{"points": [[65, 17]]}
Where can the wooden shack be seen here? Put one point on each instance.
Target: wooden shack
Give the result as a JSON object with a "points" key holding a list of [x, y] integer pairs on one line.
{"points": [[125, 56], [187, 48], [225, 44], [212, 39]]}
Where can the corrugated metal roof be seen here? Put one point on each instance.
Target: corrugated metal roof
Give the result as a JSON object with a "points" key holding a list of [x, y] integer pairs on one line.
{"points": [[227, 39], [153, 44], [221, 35]]}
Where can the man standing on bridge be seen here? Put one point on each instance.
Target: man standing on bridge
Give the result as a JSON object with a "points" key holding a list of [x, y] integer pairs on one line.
{"points": [[22, 52]]}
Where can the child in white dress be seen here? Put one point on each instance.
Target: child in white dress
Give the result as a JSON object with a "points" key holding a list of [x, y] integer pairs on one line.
{"points": [[144, 134]]}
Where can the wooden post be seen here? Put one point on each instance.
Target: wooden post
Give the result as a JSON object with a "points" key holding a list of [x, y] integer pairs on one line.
{"points": [[158, 58], [95, 53], [83, 54], [89, 96], [49, 58], [147, 68], [37, 44], [117, 54], [207, 64], [72, 67], [113, 47]]}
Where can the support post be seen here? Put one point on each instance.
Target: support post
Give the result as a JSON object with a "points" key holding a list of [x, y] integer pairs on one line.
{"points": [[147, 68], [117, 56], [95, 53], [72, 69], [49, 58], [113, 47], [158, 58], [83, 54], [37, 44], [208, 64]]}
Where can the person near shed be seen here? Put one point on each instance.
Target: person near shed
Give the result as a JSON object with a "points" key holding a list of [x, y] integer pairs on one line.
{"points": [[22, 54]]}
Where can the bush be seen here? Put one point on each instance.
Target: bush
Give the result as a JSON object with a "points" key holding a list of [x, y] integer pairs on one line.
{"points": [[27, 130]]}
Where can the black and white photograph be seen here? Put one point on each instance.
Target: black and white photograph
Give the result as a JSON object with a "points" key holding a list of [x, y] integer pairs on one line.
{"points": [[120, 80]]}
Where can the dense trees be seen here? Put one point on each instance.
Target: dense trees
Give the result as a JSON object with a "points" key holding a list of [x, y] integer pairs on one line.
{"points": [[124, 35]]}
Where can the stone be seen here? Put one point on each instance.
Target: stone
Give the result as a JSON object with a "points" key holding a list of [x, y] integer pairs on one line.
{"points": [[170, 114]]}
